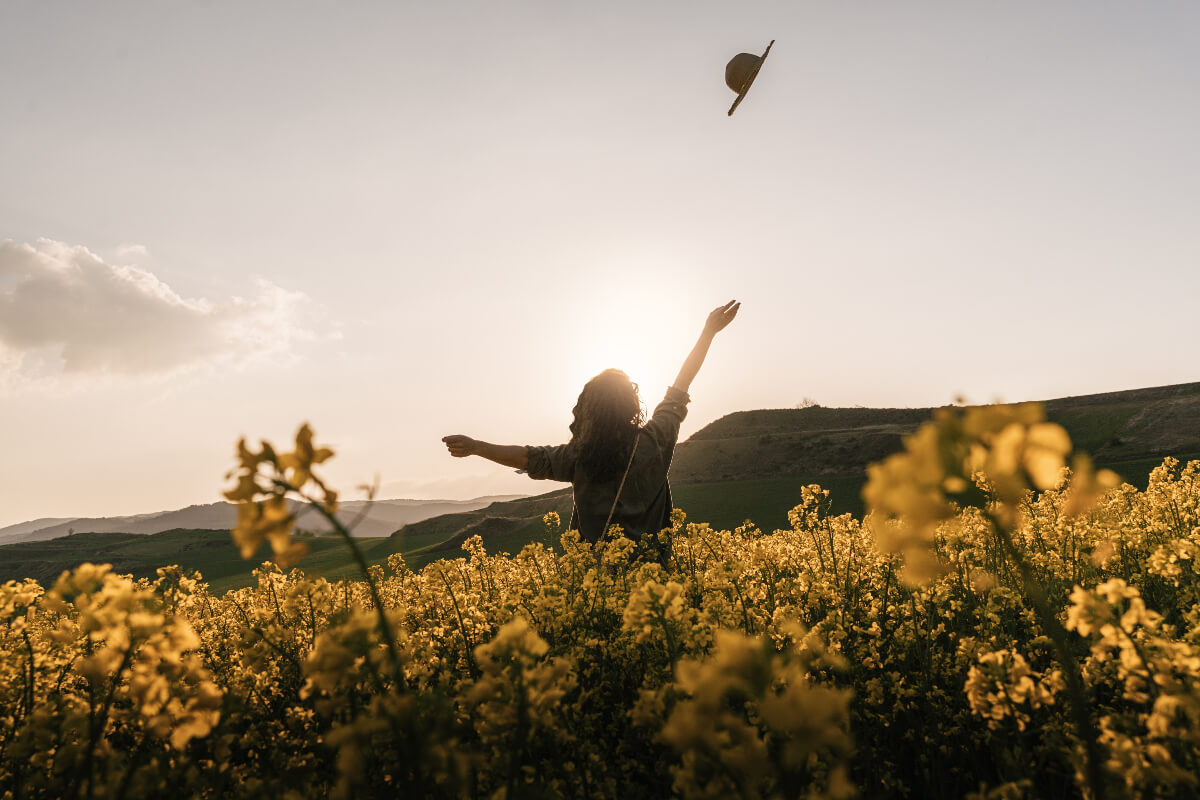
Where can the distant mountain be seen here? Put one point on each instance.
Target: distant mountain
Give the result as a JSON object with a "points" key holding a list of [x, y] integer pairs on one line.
{"points": [[380, 518], [13, 533]]}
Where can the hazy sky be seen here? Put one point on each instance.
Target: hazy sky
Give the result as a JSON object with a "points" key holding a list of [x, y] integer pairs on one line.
{"points": [[400, 220]]}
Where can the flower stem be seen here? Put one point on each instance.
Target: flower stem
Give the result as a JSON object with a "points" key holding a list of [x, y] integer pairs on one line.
{"points": [[1085, 728]]}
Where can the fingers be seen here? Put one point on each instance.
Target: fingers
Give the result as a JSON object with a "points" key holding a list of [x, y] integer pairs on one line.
{"points": [[724, 308], [458, 445], [723, 315]]}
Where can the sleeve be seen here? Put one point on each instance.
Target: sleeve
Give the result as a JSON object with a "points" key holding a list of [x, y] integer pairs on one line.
{"points": [[551, 463], [668, 415]]}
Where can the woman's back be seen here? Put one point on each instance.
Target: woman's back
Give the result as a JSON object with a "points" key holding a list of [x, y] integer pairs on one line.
{"points": [[644, 504], [608, 445]]}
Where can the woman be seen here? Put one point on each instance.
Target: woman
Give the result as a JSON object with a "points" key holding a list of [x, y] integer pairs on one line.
{"points": [[616, 465]]}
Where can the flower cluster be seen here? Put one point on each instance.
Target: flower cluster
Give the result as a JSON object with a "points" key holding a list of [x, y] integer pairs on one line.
{"points": [[999, 627]]}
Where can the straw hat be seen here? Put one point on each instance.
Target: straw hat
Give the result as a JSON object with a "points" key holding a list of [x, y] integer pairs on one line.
{"points": [[741, 71]]}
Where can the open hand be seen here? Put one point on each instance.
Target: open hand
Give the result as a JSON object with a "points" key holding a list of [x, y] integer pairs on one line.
{"points": [[460, 446], [720, 317]]}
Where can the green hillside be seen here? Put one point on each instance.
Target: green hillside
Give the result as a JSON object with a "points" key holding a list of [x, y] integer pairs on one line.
{"points": [[1116, 427], [211, 552], [747, 465]]}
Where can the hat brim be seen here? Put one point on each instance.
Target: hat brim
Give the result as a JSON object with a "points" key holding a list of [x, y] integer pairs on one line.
{"points": [[750, 79]]}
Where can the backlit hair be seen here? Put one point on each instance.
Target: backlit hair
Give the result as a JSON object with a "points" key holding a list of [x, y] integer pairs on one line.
{"points": [[607, 418]]}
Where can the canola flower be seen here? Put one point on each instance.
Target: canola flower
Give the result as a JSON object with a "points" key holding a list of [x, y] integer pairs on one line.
{"points": [[1005, 623]]}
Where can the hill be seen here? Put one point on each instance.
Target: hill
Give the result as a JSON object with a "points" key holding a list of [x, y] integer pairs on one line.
{"points": [[140, 555], [1115, 427], [375, 519], [746, 465], [18, 532], [751, 464]]}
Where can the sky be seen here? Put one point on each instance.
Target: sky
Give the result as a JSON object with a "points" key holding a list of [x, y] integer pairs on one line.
{"points": [[397, 221]]}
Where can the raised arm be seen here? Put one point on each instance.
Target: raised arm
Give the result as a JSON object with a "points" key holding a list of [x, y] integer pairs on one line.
{"points": [[716, 322], [509, 455]]}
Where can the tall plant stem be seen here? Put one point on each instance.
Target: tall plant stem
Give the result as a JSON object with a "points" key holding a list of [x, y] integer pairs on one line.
{"points": [[1080, 708], [462, 626], [385, 627], [97, 723]]}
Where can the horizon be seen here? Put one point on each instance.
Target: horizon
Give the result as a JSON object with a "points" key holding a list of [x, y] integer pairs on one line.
{"points": [[56, 521], [399, 223], [546, 486]]}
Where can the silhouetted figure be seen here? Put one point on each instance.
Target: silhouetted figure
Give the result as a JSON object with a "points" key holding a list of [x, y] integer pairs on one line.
{"points": [[616, 465]]}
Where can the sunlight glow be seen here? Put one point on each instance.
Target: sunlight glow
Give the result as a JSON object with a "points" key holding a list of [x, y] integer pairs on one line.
{"points": [[647, 332], [636, 353]]}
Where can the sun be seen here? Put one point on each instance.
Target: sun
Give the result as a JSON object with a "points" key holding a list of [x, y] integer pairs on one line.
{"points": [[636, 315], [630, 356], [648, 351]]}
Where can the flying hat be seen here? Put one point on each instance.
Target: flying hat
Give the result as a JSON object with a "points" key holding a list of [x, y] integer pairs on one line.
{"points": [[741, 71]]}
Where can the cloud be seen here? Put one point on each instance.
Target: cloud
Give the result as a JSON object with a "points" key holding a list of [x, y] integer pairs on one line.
{"points": [[63, 302], [132, 251]]}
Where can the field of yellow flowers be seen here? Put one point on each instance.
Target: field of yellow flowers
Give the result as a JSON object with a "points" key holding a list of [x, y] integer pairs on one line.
{"points": [[1004, 623]]}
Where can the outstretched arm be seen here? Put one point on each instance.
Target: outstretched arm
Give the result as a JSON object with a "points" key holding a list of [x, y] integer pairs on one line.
{"points": [[716, 322], [509, 455]]}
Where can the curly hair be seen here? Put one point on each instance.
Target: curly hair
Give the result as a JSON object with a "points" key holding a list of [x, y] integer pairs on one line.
{"points": [[608, 416]]}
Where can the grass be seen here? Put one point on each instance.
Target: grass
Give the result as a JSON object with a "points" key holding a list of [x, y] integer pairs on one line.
{"points": [[1136, 471], [765, 501], [1094, 427]]}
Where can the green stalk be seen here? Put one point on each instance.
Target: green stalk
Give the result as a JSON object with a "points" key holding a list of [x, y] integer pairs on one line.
{"points": [[385, 627], [1080, 708], [462, 626]]}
